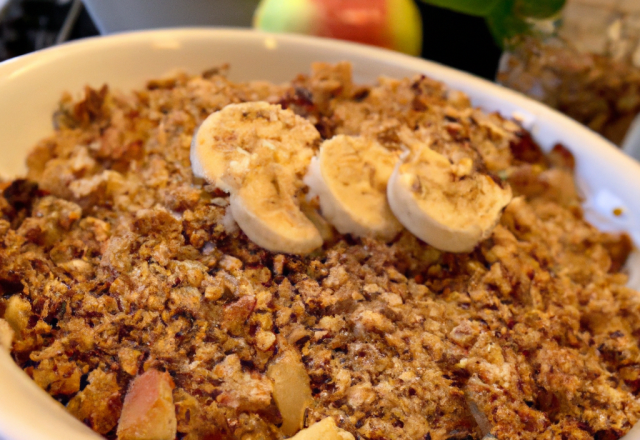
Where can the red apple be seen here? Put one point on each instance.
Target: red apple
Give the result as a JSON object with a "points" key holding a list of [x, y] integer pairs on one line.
{"points": [[393, 24]]}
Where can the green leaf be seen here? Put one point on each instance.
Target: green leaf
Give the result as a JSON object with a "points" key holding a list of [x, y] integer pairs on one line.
{"points": [[538, 8], [472, 7], [504, 23]]}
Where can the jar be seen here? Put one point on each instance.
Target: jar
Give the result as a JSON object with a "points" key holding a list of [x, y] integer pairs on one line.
{"points": [[585, 63]]}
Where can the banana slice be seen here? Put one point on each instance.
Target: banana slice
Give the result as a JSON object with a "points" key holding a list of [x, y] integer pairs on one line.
{"points": [[349, 176], [259, 152], [325, 429], [267, 210], [224, 148], [449, 206]]}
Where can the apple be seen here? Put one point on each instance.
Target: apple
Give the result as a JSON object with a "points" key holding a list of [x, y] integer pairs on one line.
{"points": [[392, 24]]}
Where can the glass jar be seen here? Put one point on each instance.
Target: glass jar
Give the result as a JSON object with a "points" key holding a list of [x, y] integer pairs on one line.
{"points": [[586, 64]]}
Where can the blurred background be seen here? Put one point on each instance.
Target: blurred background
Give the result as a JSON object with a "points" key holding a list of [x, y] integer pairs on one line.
{"points": [[579, 56], [28, 25]]}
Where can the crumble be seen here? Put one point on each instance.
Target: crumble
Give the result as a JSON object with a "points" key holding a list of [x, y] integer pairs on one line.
{"points": [[116, 262]]}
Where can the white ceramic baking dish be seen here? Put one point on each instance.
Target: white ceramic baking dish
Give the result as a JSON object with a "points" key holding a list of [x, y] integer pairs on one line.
{"points": [[30, 87]]}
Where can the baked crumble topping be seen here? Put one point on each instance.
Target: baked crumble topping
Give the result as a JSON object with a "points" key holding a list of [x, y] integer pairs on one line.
{"points": [[115, 262]]}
